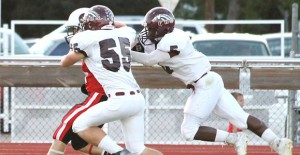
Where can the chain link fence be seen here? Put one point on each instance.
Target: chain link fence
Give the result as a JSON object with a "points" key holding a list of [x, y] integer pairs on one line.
{"points": [[31, 114]]}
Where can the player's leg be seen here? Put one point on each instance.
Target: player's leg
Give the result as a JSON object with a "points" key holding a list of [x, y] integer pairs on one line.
{"points": [[211, 134], [61, 137], [115, 108], [57, 148], [64, 134], [229, 109], [91, 150], [151, 151], [204, 100], [199, 106], [79, 144], [281, 145], [133, 130]]}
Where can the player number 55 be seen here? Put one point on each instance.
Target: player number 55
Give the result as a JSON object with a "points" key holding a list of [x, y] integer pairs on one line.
{"points": [[106, 52]]}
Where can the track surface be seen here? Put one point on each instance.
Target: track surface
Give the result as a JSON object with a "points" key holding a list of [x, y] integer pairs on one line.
{"points": [[42, 148]]}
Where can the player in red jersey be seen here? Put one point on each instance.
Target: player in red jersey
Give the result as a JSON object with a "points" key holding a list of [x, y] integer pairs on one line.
{"points": [[64, 134], [105, 49]]}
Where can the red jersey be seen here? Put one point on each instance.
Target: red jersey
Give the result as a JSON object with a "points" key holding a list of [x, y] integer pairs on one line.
{"points": [[91, 84], [230, 128]]}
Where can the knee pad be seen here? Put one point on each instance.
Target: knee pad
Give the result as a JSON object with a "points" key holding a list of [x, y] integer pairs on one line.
{"points": [[77, 142], [189, 131], [240, 125], [242, 122], [190, 125]]}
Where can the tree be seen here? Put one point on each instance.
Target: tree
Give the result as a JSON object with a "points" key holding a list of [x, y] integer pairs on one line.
{"points": [[233, 14], [209, 13], [60, 10], [186, 9]]}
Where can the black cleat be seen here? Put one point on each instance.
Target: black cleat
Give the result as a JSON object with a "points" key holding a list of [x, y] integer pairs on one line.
{"points": [[123, 152]]}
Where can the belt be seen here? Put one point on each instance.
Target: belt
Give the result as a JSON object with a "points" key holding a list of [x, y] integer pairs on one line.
{"points": [[200, 77], [189, 86], [122, 93]]}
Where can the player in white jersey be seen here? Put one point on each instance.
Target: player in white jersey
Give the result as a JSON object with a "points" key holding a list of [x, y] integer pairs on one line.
{"points": [[64, 133], [160, 43], [106, 53]]}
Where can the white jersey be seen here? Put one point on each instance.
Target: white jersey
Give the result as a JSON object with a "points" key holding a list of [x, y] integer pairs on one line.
{"points": [[189, 65], [108, 56]]}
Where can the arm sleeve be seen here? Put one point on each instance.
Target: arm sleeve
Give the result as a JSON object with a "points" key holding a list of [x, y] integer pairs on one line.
{"points": [[150, 59]]}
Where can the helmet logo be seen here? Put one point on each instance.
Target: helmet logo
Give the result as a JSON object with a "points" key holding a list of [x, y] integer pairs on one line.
{"points": [[163, 19], [92, 15], [80, 18]]}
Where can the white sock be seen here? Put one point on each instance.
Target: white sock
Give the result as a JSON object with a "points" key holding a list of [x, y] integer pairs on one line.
{"points": [[56, 151], [269, 135], [221, 136], [109, 145]]}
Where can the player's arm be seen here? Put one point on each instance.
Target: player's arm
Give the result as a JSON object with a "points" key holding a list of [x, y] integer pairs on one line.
{"points": [[150, 59], [119, 24], [71, 58]]}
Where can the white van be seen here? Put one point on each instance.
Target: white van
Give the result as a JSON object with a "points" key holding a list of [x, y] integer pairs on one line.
{"points": [[232, 44]]}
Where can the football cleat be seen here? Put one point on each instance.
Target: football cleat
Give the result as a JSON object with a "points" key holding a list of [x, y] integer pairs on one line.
{"points": [[282, 146], [123, 152]]}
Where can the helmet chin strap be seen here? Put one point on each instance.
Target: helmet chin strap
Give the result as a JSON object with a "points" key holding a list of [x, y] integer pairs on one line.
{"points": [[158, 39], [155, 40]]}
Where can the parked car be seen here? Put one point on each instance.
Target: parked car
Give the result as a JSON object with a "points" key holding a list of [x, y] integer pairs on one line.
{"points": [[231, 44], [274, 41], [30, 41], [53, 44], [20, 47]]}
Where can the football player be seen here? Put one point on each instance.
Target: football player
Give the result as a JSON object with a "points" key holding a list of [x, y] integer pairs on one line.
{"points": [[106, 53], [172, 49], [64, 134]]}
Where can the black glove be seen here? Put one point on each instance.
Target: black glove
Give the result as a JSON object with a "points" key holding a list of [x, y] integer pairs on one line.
{"points": [[83, 90], [138, 48]]}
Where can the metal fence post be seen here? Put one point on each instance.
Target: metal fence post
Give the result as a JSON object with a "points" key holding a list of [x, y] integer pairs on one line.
{"points": [[292, 113]]}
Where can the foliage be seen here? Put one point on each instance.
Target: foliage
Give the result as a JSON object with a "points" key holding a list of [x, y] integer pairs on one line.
{"points": [[186, 9]]}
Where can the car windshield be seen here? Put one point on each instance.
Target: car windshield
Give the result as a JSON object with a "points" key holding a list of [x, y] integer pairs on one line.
{"points": [[275, 46], [231, 48], [61, 49], [20, 46]]}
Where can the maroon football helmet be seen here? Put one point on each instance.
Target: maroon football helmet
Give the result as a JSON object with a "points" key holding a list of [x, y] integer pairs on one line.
{"points": [[157, 22], [97, 17]]}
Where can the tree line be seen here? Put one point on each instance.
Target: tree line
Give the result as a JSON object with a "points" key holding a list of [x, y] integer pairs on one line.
{"points": [[185, 9]]}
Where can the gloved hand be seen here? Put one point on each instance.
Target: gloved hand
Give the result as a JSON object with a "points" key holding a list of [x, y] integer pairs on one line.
{"points": [[83, 90]]}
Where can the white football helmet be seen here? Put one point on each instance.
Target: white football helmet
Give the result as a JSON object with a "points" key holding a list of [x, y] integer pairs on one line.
{"points": [[74, 23]]}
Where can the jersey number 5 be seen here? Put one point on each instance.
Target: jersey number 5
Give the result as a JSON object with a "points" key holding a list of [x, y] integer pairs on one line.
{"points": [[173, 52], [108, 53]]}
